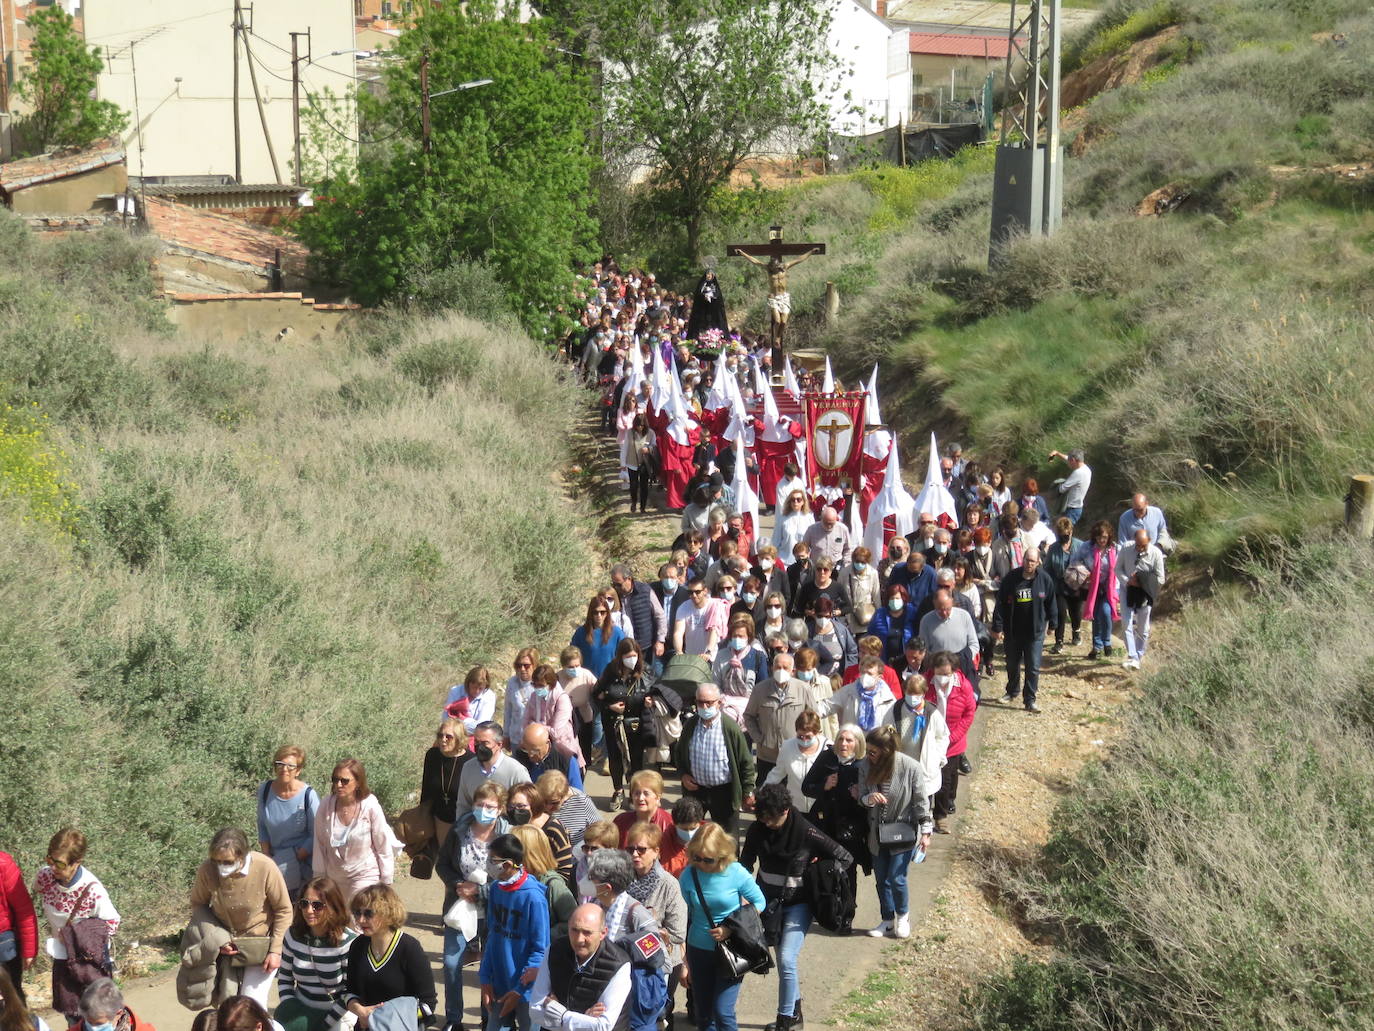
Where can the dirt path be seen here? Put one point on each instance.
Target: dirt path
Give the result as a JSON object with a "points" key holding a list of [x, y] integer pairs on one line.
{"points": [[1021, 763]]}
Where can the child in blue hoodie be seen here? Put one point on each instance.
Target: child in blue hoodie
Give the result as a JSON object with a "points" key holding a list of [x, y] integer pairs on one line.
{"points": [[517, 936]]}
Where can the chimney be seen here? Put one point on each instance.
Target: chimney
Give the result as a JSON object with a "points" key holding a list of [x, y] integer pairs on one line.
{"points": [[880, 8]]}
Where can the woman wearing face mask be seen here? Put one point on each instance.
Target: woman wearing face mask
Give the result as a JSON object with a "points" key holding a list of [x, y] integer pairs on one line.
{"points": [[794, 519], [1031, 498], [620, 695], [823, 686], [1100, 592], [784, 843], [774, 620], [922, 733], [103, 1009], [894, 558], [473, 701], [823, 585], [597, 638], [313, 956], [738, 667], [578, 682], [462, 866], [354, 846], [983, 576], [797, 756], [892, 790], [550, 705], [893, 623], [726, 593], [835, 810], [70, 893], [949, 694], [772, 576], [832, 639], [865, 701], [860, 580], [750, 597], [247, 897], [525, 807]]}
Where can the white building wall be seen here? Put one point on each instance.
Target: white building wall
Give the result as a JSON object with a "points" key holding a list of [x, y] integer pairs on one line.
{"points": [[183, 55], [860, 40]]}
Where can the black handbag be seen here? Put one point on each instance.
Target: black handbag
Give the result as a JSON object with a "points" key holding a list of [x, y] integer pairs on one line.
{"points": [[743, 950], [895, 834]]}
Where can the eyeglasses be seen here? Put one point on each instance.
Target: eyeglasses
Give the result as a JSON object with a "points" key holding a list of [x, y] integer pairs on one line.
{"points": [[447, 737], [524, 665], [314, 905], [599, 612], [341, 780], [364, 914], [285, 766], [639, 850], [696, 593]]}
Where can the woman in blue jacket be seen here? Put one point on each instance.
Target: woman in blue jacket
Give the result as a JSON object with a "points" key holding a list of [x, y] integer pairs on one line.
{"points": [[893, 623]]}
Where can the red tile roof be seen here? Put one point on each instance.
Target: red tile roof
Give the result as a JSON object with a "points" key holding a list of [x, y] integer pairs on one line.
{"points": [[46, 168], [958, 45], [221, 235]]}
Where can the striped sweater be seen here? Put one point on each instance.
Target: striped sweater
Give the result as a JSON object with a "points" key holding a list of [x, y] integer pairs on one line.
{"points": [[312, 970]]}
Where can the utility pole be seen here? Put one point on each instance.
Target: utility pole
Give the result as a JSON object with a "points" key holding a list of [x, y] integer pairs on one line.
{"points": [[424, 105], [296, 92], [238, 137], [1028, 179], [262, 114]]}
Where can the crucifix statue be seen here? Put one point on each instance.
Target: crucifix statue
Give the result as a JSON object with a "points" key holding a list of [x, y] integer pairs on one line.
{"points": [[779, 300]]}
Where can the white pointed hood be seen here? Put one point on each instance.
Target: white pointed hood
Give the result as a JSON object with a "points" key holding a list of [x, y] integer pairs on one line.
{"points": [[876, 442], [828, 384], [789, 378], [935, 497], [892, 500]]}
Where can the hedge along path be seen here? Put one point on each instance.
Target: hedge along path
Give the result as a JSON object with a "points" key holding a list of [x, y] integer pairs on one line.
{"points": [[830, 966]]}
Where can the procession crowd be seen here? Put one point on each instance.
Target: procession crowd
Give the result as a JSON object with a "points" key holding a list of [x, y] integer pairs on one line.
{"points": [[795, 676]]}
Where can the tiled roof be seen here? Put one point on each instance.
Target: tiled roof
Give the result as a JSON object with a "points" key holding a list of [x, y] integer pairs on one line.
{"points": [[209, 189], [46, 168], [954, 45], [221, 236]]}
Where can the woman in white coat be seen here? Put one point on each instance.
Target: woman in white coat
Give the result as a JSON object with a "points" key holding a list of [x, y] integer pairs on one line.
{"points": [[922, 733], [797, 755], [793, 520]]}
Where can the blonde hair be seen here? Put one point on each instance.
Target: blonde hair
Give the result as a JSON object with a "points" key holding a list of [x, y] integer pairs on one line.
{"points": [[489, 790], [710, 844], [387, 907], [650, 779], [538, 855], [644, 831], [553, 787], [603, 833], [291, 752], [569, 655]]}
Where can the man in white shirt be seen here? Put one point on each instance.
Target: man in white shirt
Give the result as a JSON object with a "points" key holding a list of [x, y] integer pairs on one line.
{"points": [[1035, 533], [584, 982], [1074, 487]]}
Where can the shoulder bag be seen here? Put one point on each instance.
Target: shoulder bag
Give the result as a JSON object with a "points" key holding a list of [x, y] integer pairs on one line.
{"points": [[897, 835], [734, 957]]}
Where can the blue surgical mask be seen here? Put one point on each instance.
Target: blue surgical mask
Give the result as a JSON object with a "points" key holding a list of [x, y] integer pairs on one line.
{"points": [[669, 585], [739, 643], [749, 597], [571, 671], [895, 604], [485, 814], [541, 693], [859, 567], [707, 712], [806, 674], [685, 836], [98, 1027]]}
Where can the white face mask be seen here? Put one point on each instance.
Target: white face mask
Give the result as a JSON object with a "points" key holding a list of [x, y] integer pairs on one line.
{"points": [[774, 612], [868, 680], [586, 888], [945, 680], [983, 550], [227, 869], [766, 565], [629, 661]]}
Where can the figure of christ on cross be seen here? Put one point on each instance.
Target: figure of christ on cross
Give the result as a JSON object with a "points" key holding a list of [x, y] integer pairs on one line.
{"points": [[832, 425], [779, 300]]}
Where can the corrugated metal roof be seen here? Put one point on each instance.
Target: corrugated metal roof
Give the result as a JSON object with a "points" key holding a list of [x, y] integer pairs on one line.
{"points": [[958, 45], [206, 189]]}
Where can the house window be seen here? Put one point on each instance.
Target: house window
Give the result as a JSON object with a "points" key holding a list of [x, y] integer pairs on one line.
{"points": [[386, 8]]}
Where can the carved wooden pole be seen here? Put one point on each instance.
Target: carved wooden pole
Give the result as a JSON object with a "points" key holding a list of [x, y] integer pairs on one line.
{"points": [[1359, 507]]}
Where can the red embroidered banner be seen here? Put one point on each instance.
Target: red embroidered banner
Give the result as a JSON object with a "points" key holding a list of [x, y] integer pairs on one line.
{"points": [[834, 438]]}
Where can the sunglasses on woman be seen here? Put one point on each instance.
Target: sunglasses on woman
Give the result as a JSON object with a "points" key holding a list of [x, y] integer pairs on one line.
{"points": [[314, 905], [364, 914]]}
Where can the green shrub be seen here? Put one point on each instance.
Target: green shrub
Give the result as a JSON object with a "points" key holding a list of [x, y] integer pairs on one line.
{"points": [[433, 363], [1211, 875], [35, 474], [470, 288], [216, 386]]}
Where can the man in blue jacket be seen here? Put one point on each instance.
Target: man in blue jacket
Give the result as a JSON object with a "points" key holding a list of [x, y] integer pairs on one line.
{"points": [[517, 936], [1025, 609]]}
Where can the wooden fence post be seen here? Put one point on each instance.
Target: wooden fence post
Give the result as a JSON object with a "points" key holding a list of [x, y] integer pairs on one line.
{"points": [[1359, 507]]}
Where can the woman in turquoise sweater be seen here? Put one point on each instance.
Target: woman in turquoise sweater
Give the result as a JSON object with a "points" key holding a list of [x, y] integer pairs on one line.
{"points": [[711, 864]]}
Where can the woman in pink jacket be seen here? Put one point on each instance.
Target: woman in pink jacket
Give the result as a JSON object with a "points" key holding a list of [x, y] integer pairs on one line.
{"points": [[550, 705], [354, 846], [950, 693], [1101, 590]]}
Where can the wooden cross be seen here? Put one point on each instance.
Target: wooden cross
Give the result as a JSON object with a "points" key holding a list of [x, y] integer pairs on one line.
{"points": [[779, 301], [774, 248]]}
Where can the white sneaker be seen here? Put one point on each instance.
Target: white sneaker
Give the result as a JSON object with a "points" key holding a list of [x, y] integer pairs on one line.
{"points": [[902, 928], [881, 930], [1131, 664]]}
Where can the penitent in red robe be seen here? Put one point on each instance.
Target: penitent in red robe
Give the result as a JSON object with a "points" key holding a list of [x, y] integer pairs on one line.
{"points": [[874, 473], [772, 456], [675, 458]]}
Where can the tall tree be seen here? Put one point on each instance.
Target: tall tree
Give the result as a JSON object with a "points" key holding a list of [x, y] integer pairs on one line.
{"points": [[506, 179], [699, 87], [61, 88]]}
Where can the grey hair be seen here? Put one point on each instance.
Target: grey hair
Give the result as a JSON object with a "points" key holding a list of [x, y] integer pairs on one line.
{"points": [[1031, 514], [855, 731], [230, 839], [611, 866], [622, 570], [1076, 455], [491, 725], [102, 997], [796, 631], [952, 448]]}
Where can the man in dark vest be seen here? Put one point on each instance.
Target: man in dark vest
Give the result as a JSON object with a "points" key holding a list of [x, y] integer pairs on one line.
{"points": [[647, 617], [583, 975], [537, 754], [1025, 610]]}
